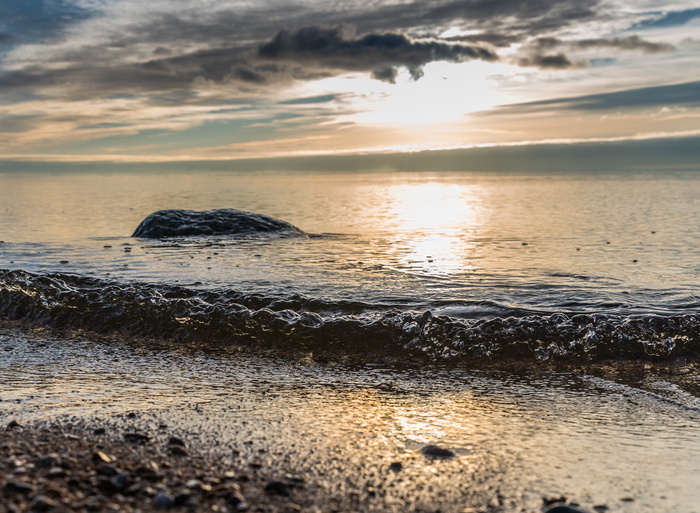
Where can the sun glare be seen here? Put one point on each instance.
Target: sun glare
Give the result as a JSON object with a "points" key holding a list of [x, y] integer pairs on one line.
{"points": [[431, 220]]}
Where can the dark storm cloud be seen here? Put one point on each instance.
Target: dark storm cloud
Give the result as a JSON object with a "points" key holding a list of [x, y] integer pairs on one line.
{"points": [[676, 95], [339, 48], [555, 61], [633, 42]]}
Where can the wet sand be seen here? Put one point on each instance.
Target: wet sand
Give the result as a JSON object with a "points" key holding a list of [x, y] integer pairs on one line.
{"points": [[210, 430]]}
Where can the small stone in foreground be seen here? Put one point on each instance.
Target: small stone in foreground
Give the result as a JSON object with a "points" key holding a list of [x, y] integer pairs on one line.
{"points": [[99, 456], [42, 503], [433, 451], [173, 440], [163, 501], [277, 488], [13, 487], [12, 425], [396, 466], [563, 508], [138, 438]]}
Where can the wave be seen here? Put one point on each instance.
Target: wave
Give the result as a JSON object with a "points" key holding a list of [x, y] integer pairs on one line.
{"points": [[301, 323]]}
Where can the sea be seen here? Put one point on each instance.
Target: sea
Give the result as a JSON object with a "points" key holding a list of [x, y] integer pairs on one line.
{"points": [[438, 283], [444, 265]]}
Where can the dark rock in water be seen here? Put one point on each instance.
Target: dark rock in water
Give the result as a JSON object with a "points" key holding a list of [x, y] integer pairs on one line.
{"points": [[563, 508], [433, 451], [188, 223]]}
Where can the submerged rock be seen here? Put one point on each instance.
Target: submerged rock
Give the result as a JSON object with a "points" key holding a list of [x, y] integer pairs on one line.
{"points": [[189, 223]]}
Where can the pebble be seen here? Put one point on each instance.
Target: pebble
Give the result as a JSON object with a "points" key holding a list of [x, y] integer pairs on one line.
{"points": [[13, 487], [47, 461], [106, 470], [173, 440], [433, 451], [277, 488], [163, 501], [99, 456], [177, 450], [396, 466], [563, 508], [42, 503], [12, 425], [138, 438], [56, 473]]}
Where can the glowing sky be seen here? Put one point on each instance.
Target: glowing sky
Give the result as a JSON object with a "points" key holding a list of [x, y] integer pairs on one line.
{"points": [[159, 80]]}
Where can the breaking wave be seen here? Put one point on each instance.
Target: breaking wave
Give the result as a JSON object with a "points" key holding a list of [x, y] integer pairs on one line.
{"points": [[297, 322]]}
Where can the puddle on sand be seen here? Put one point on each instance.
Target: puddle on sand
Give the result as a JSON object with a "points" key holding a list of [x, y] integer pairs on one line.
{"points": [[517, 438]]}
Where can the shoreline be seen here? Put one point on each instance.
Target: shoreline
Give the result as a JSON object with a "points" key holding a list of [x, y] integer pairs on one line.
{"points": [[337, 435]]}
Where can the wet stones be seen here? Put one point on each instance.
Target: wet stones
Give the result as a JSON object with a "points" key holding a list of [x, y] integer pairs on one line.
{"points": [[191, 223]]}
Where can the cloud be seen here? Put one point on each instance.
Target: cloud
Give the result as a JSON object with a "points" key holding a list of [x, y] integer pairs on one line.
{"points": [[633, 42], [338, 48], [5, 39], [554, 61], [684, 95]]}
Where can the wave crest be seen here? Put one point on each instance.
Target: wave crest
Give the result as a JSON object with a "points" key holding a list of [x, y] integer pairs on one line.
{"points": [[296, 322]]}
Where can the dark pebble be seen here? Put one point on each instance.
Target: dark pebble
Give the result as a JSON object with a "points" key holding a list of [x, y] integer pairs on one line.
{"points": [[434, 451], [42, 503], [177, 450], [236, 499], [627, 499], [163, 501], [277, 488], [13, 487], [12, 425], [182, 499], [100, 431], [138, 438], [121, 481], [56, 473], [563, 508], [173, 440], [396, 466], [64, 261], [47, 461], [107, 470]]}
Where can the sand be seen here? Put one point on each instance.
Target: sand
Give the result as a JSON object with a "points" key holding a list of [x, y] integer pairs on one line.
{"points": [[99, 424]]}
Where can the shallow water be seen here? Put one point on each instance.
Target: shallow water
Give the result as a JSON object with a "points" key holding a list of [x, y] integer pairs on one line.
{"points": [[518, 436]]}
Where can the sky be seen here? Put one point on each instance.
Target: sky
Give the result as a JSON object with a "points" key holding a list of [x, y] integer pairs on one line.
{"points": [[197, 80]]}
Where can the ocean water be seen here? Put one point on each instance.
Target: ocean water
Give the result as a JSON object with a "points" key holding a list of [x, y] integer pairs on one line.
{"points": [[449, 265], [466, 281]]}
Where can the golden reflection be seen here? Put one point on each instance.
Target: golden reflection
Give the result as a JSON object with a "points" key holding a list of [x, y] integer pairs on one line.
{"points": [[435, 222]]}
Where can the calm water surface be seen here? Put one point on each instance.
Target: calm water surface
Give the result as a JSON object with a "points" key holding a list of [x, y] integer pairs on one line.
{"points": [[462, 244]]}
